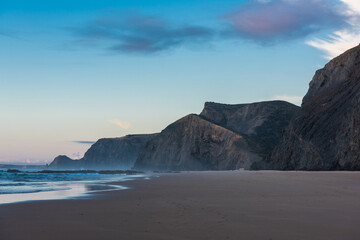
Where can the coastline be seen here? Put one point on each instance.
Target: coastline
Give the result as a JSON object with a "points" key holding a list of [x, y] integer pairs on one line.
{"points": [[200, 205], [17, 186]]}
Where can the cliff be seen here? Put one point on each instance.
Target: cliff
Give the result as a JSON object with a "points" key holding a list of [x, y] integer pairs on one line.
{"points": [[107, 153], [325, 133], [261, 123], [64, 162], [222, 137], [193, 143], [115, 153]]}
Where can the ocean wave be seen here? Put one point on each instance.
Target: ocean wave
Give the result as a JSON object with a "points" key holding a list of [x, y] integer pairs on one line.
{"points": [[30, 186], [30, 189]]}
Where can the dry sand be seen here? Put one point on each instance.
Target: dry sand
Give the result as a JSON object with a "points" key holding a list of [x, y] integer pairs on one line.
{"points": [[200, 205]]}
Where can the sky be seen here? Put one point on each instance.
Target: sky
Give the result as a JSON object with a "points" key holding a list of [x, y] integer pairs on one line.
{"points": [[72, 72]]}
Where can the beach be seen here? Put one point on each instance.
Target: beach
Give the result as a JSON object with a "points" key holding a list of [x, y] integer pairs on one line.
{"points": [[260, 205]]}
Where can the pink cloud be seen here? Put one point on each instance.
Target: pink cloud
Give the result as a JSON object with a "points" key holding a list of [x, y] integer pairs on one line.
{"points": [[123, 125], [284, 18]]}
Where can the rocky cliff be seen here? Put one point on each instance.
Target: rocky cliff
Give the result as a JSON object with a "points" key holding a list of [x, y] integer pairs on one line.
{"points": [[325, 133], [261, 123], [115, 153], [193, 143], [107, 153], [64, 162], [222, 137]]}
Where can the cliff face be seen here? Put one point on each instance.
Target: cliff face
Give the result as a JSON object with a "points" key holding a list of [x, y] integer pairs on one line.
{"points": [[193, 143], [261, 123], [325, 133], [107, 153], [115, 153], [64, 162], [222, 137]]}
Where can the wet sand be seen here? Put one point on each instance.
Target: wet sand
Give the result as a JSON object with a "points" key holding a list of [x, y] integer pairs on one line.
{"points": [[200, 205]]}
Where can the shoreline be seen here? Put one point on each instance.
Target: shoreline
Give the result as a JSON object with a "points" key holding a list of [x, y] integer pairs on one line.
{"points": [[48, 190], [200, 205]]}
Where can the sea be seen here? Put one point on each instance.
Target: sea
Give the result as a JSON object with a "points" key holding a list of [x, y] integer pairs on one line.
{"points": [[31, 185]]}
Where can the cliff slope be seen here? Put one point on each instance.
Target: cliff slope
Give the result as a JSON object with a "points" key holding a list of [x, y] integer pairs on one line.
{"points": [[261, 123], [325, 133], [107, 153], [222, 137], [193, 143], [115, 153], [64, 162]]}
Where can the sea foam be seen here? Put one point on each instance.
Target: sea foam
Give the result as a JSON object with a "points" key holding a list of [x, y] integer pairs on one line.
{"points": [[31, 186]]}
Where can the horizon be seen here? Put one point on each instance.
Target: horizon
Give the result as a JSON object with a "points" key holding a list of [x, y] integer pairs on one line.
{"points": [[73, 73]]}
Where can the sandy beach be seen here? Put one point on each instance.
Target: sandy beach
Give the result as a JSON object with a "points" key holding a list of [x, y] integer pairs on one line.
{"points": [[200, 205]]}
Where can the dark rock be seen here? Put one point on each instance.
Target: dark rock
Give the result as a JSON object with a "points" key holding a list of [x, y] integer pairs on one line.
{"points": [[64, 162], [325, 133], [125, 172], [66, 171], [107, 154], [115, 153], [193, 143], [222, 137], [13, 171], [261, 123]]}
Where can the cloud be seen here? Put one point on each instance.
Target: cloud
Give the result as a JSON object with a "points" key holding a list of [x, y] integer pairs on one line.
{"points": [[266, 22], [336, 43], [293, 99], [353, 6], [140, 34], [279, 20], [344, 39], [85, 142], [123, 125]]}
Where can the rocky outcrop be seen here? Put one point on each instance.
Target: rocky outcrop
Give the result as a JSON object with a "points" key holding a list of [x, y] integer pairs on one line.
{"points": [[193, 143], [64, 162], [261, 123], [222, 137], [107, 153], [325, 133], [115, 153]]}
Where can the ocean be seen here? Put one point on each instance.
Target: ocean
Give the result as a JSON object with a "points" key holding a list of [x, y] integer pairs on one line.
{"points": [[35, 186]]}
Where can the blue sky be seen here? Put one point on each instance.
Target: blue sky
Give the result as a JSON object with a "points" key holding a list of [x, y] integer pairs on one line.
{"points": [[81, 70]]}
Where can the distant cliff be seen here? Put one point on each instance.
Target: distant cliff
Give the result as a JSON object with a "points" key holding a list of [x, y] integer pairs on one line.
{"points": [[64, 162], [107, 153], [222, 137], [325, 133], [115, 153]]}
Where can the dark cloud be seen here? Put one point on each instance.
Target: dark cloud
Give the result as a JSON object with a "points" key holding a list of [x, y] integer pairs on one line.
{"points": [[141, 34], [264, 21], [85, 142], [279, 20]]}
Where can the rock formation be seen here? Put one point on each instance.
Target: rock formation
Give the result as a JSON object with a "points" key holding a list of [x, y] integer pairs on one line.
{"points": [[261, 123], [64, 162], [325, 133], [222, 137], [193, 143], [107, 153], [115, 153]]}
